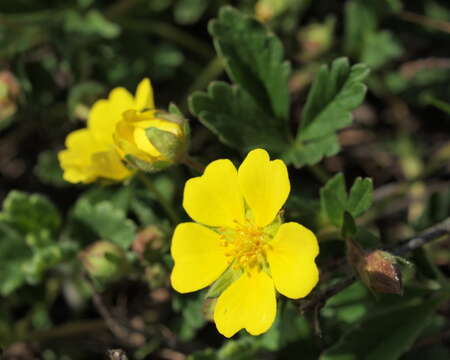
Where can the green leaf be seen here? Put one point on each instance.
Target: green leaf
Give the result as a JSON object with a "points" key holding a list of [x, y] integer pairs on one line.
{"points": [[335, 92], [384, 335], [48, 169], [14, 253], [108, 222], [333, 198], [191, 308], [335, 201], [189, 11], [362, 38], [360, 198], [253, 58], [379, 48], [287, 328], [30, 214], [312, 152], [231, 114], [349, 228], [28, 232]]}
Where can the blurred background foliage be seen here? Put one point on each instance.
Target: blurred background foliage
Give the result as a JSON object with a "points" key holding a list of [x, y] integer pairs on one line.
{"points": [[57, 58]]}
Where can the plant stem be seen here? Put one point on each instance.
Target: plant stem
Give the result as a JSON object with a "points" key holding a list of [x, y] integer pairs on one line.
{"points": [[425, 21], [169, 32], [193, 164], [161, 199], [68, 330], [435, 232], [320, 173]]}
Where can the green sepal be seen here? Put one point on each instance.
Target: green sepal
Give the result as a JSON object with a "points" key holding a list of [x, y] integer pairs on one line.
{"points": [[152, 167], [225, 280], [167, 143]]}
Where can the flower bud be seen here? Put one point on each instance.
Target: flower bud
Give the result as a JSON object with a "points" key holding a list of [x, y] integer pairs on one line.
{"points": [[151, 140], [104, 260], [316, 38], [156, 275], [377, 269], [9, 91], [148, 242]]}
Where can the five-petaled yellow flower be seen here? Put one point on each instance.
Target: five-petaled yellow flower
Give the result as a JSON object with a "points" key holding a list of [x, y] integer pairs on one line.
{"points": [[91, 152], [238, 227]]}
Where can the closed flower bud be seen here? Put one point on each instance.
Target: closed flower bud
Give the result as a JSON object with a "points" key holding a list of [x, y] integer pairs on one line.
{"points": [[151, 140], [104, 261], [9, 91], [316, 38], [377, 269], [148, 242]]}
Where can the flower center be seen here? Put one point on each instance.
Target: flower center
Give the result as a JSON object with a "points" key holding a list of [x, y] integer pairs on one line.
{"points": [[246, 246]]}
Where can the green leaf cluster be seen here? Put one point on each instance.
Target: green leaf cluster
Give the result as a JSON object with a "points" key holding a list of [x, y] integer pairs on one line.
{"points": [[336, 201], [254, 111], [29, 245]]}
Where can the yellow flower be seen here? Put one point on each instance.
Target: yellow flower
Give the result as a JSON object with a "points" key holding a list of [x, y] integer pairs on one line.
{"points": [[149, 138], [238, 227], [91, 152]]}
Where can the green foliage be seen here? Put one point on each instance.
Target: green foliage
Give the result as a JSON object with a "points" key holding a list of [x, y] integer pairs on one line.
{"points": [[362, 37], [254, 59], [29, 227], [232, 114], [289, 79], [335, 92], [254, 111], [384, 335], [48, 169], [106, 221], [335, 200], [191, 309], [93, 23]]}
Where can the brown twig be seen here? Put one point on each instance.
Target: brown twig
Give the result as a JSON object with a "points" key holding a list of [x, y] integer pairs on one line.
{"points": [[435, 232], [432, 233], [425, 21]]}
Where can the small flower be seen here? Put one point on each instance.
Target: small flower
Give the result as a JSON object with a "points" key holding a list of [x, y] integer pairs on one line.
{"points": [[238, 229], [150, 140], [104, 260], [91, 152]]}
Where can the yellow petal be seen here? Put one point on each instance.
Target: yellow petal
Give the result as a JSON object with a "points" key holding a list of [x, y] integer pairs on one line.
{"points": [[291, 260], [143, 143], [199, 257], [120, 100], [264, 184], [76, 160], [213, 198], [144, 95], [247, 303], [106, 113], [108, 165]]}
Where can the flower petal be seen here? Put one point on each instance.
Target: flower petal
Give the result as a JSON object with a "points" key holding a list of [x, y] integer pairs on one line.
{"points": [[106, 113], [291, 260], [248, 303], [214, 199], [264, 184], [76, 160], [108, 165], [144, 95], [199, 257]]}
